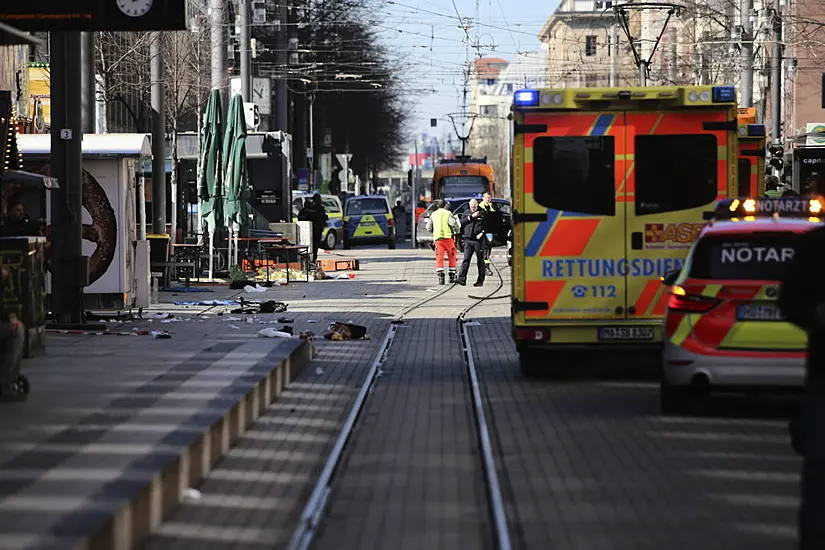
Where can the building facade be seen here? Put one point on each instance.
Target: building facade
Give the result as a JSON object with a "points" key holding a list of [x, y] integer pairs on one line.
{"points": [[493, 84]]}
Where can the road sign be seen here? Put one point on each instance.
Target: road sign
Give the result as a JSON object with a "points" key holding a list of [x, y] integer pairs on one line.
{"points": [[343, 159], [252, 116], [95, 15], [266, 197]]}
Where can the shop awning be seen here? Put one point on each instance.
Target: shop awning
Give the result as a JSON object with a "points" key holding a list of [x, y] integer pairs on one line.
{"points": [[28, 178], [9, 36]]}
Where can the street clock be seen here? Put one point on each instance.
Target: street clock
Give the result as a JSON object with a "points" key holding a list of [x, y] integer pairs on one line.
{"points": [[95, 15], [135, 8]]}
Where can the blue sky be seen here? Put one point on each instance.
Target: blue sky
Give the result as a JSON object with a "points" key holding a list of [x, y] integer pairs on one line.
{"points": [[427, 37]]}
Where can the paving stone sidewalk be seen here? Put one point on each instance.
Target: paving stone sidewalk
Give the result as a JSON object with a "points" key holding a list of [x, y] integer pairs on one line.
{"points": [[255, 495], [591, 463]]}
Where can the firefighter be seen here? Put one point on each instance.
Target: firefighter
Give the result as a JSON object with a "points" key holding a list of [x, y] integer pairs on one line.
{"points": [[491, 226], [444, 226]]}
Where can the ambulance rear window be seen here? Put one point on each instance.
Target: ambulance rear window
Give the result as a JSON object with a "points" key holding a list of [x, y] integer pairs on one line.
{"points": [[575, 174], [758, 256], [675, 172]]}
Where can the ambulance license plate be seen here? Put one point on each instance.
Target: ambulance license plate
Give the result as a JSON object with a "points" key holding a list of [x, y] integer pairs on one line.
{"points": [[758, 312], [626, 333]]}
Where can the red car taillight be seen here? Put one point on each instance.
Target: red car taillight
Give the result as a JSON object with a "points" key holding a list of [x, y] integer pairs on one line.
{"points": [[529, 334], [682, 302]]}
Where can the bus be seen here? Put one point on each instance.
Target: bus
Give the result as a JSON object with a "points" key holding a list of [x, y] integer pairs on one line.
{"points": [[462, 176], [611, 186], [752, 146]]}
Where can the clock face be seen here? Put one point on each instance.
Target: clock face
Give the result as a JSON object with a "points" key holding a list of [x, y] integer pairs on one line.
{"points": [[135, 8]]}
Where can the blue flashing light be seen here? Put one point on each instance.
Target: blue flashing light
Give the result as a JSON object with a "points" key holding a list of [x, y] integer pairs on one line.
{"points": [[757, 130], [722, 94], [527, 97]]}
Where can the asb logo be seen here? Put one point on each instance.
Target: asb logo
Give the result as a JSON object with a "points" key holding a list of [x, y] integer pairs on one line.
{"points": [[681, 233]]}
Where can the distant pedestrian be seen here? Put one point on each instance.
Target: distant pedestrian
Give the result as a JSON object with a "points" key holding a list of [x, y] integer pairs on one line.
{"points": [[802, 302], [472, 233], [492, 225], [314, 212], [443, 225], [399, 214]]}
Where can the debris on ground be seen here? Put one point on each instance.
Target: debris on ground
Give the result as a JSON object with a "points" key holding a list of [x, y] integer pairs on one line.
{"points": [[319, 371], [184, 289], [273, 333], [345, 331], [161, 335], [289, 330], [272, 306], [191, 494], [254, 289]]}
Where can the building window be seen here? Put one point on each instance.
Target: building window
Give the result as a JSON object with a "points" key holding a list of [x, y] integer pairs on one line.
{"points": [[590, 45], [488, 110], [491, 81], [509, 87]]}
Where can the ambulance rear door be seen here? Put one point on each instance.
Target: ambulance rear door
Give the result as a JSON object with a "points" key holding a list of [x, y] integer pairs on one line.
{"points": [[679, 166], [569, 228]]}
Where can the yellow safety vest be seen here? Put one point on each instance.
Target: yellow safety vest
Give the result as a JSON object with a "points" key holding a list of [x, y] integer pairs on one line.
{"points": [[488, 207], [441, 224]]}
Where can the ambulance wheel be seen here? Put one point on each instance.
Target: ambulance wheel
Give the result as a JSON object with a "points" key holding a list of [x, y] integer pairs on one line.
{"points": [[391, 244], [331, 240], [674, 400], [528, 364]]}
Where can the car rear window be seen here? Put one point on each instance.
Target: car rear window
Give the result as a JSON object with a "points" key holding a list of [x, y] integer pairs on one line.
{"points": [[330, 205], [758, 256], [367, 206]]}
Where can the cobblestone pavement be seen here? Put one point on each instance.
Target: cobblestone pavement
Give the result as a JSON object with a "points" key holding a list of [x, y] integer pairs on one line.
{"points": [[585, 463], [590, 463], [255, 495], [104, 412]]}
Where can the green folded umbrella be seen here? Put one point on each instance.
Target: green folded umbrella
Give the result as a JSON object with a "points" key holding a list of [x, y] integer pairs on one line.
{"points": [[210, 178], [235, 173]]}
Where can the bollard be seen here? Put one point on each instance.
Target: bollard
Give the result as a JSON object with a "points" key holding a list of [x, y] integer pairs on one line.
{"points": [[155, 287]]}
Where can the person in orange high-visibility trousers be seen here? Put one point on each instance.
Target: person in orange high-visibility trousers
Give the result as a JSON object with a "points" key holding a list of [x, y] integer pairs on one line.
{"points": [[444, 226]]}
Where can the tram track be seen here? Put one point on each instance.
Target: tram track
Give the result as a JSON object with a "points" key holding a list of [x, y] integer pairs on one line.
{"points": [[314, 511]]}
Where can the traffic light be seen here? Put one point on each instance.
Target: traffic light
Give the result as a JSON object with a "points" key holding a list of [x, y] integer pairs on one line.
{"points": [[777, 157]]}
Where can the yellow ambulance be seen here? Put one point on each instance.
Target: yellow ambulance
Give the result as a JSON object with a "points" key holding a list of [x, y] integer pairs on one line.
{"points": [[610, 188]]}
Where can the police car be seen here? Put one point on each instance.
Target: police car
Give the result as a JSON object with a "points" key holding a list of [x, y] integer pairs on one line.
{"points": [[723, 331]]}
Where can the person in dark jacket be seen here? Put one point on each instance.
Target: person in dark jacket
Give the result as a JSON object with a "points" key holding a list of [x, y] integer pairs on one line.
{"points": [[313, 211], [17, 223], [472, 232], [802, 302]]}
